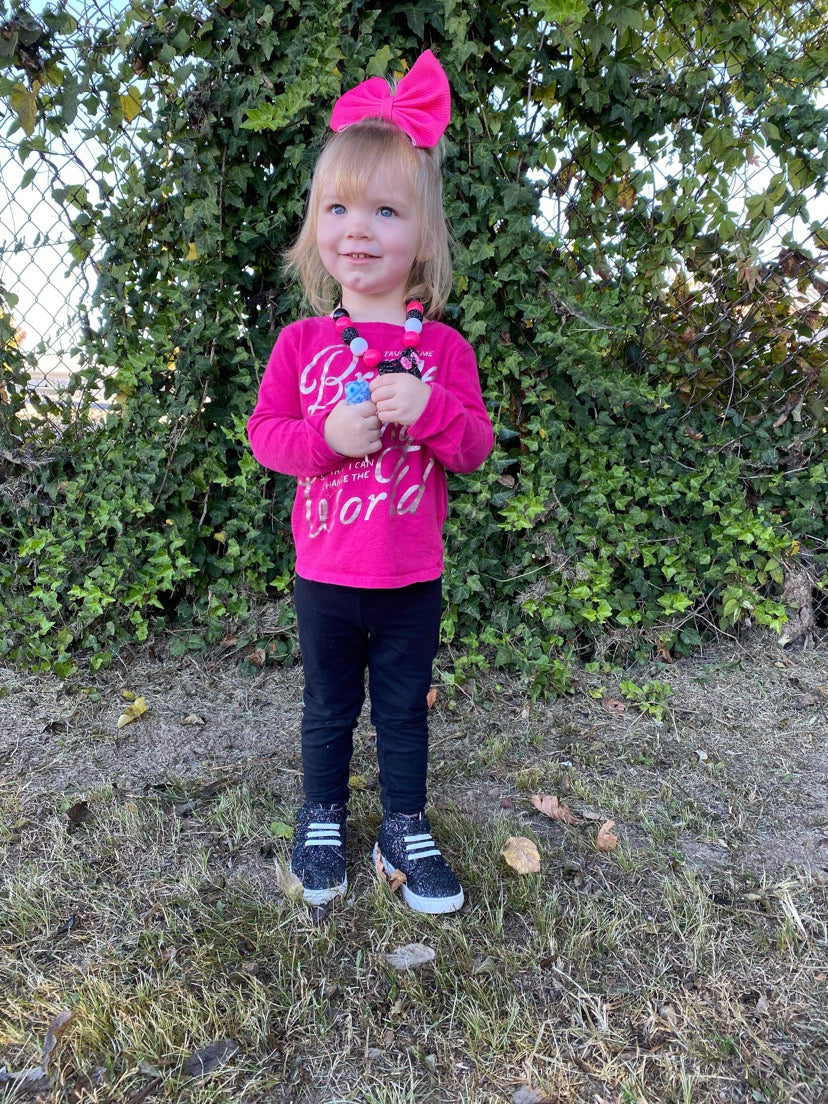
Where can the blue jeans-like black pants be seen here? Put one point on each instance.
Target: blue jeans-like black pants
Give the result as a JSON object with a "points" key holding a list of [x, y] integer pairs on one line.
{"points": [[393, 634]]}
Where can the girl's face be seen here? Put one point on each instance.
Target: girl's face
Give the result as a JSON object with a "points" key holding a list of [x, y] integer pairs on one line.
{"points": [[369, 243]]}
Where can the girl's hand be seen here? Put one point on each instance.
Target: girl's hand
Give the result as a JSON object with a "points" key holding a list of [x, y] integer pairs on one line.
{"points": [[399, 397], [353, 429]]}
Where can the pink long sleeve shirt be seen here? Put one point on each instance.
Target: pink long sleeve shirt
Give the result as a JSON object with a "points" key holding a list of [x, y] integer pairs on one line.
{"points": [[374, 522]]}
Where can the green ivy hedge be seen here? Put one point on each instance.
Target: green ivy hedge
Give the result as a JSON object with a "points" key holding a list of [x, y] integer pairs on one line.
{"points": [[626, 508]]}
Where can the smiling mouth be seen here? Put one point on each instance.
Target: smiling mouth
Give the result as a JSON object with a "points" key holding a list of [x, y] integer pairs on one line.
{"points": [[361, 256]]}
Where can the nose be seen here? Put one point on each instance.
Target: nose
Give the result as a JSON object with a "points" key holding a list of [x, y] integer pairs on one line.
{"points": [[357, 225]]}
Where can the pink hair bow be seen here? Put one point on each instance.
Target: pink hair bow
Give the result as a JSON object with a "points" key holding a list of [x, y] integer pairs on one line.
{"points": [[420, 105]]}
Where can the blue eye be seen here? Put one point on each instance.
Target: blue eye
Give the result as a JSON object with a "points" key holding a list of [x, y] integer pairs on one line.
{"points": [[387, 212], [337, 209]]}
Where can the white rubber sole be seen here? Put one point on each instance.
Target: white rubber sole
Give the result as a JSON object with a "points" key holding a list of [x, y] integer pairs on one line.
{"points": [[322, 896], [434, 906]]}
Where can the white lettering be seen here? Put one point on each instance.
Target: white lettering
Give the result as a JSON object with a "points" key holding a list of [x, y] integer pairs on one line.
{"points": [[373, 499], [354, 504], [415, 493]]}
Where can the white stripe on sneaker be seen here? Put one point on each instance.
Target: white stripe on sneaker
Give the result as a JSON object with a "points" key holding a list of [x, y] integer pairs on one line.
{"points": [[323, 835], [420, 847]]}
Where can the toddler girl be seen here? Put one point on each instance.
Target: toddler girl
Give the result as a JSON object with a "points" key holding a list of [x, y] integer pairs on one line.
{"points": [[368, 406]]}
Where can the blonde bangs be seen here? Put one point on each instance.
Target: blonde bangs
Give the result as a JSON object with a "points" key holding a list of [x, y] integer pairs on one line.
{"points": [[345, 167]]}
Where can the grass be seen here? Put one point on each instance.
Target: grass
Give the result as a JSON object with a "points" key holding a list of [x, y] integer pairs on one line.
{"points": [[626, 977]]}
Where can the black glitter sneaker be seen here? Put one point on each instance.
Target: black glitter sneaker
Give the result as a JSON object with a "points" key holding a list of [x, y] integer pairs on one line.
{"points": [[413, 863], [318, 858]]}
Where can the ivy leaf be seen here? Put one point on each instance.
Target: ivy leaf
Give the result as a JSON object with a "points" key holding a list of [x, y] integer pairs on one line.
{"points": [[131, 104], [380, 62], [24, 105], [626, 194], [563, 11]]}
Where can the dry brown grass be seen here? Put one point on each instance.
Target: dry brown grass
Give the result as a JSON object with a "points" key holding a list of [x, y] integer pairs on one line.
{"points": [[687, 966]]}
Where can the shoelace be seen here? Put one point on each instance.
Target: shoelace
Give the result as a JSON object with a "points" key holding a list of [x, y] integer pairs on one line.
{"points": [[421, 846], [323, 835]]}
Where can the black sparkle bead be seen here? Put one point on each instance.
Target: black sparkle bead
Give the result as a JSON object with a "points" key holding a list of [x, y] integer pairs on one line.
{"points": [[349, 333]]}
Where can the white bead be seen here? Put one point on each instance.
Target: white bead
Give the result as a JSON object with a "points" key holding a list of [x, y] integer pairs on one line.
{"points": [[358, 346], [414, 325]]}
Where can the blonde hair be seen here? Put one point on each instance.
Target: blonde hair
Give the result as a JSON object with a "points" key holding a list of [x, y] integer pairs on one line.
{"points": [[345, 166]]}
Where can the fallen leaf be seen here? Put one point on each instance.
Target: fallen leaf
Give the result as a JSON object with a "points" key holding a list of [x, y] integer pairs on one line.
{"points": [[258, 657], [32, 1080], [209, 1058], [527, 1095], [394, 880], [193, 719], [549, 805], [79, 814], [132, 712], [522, 855], [36, 1079], [703, 756], [590, 814], [807, 700], [410, 956], [486, 965], [606, 840], [65, 925], [431, 697], [613, 705], [280, 830], [663, 652], [53, 1036], [289, 883]]}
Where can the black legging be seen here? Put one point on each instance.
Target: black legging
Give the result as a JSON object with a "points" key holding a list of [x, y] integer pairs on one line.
{"points": [[393, 633]]}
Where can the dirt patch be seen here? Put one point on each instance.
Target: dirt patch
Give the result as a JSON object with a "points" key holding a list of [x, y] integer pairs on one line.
{"points": [[738, 759]]}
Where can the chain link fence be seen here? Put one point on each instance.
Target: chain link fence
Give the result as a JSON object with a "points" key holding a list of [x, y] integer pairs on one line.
{"points": [[48, 281], [46, 278]]}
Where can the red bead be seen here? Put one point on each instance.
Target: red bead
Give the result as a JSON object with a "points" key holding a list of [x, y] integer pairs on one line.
{"points": [[411, 339], [342, 322], [414, 305], [371, 358]]}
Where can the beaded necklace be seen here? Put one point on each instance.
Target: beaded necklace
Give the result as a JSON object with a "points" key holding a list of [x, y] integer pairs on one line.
{"points": [[371, 358]]}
